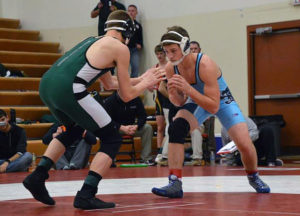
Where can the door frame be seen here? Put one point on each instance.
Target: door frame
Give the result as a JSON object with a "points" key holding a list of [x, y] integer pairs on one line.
{"points": [[251, 30]]}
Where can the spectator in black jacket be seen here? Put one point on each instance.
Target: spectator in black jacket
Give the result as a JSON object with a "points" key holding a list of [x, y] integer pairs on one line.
{"points": [[13, 155], [135, 43], [77, 155], [125, 115]]}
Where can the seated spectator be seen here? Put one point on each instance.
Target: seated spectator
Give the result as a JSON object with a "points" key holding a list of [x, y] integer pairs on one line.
{"points": [[4, 72], [196, 143], [125, 115], [13, 155], [263, 141], [77, 155]]}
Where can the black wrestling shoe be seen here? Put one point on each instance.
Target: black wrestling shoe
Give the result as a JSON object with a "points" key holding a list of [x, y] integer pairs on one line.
{"points": [[82, 201], [36, 186]]}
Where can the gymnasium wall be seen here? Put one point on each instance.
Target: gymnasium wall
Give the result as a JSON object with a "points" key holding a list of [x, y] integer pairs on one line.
{"points": [[219, 26]]}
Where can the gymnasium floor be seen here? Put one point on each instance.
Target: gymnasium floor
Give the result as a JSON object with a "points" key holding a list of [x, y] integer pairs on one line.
{"points": [[209, 191]]}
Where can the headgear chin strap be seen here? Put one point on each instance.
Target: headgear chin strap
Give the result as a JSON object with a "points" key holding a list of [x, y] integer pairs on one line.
{"points": [[184, 43], [127, 27], [178, 61]]}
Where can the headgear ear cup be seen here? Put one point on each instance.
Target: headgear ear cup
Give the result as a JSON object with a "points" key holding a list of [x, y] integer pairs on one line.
{"points": [[130, 29], [185, 45], [127, 27], [184, 42]]}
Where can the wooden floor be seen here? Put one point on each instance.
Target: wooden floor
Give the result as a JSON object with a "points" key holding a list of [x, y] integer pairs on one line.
{"points": [[209, 191]]}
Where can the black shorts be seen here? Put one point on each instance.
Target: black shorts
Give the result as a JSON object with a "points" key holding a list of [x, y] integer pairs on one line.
{"points": [[160, 103]]}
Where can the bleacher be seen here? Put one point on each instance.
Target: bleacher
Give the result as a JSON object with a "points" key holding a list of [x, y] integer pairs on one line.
{"points": [[21, 50]]}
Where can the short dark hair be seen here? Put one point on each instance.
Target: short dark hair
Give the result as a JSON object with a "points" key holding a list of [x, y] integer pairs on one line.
{"points": [[195, 42], [117, 15], [132, 5], [158, 48], [2, 113], [172, 36]]}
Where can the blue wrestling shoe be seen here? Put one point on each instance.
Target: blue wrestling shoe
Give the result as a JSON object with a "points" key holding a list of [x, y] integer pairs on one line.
{"points": [[172, 190], [258, 184]]}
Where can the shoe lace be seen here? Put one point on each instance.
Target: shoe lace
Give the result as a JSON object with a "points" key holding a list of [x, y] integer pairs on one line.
{"points": [[258, 181], [171, 187]]}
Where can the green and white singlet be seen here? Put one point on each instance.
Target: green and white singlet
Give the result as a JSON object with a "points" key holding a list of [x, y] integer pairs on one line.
{"points": [[63, 89]]}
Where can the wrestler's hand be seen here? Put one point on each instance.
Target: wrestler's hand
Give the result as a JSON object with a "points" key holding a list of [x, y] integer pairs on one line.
{"points": [[3, 167], [178, 82], [153, 76]]}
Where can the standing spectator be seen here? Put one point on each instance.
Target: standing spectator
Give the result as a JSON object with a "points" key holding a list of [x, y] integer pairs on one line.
{"points": [[102, 10], [77, 154], [13, 155], [162, 104], [135, 43], [195, 47], [125, 115]]}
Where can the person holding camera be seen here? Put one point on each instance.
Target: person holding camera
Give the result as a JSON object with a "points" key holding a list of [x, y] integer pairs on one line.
{"points": [[13, 155], [102, 10]]}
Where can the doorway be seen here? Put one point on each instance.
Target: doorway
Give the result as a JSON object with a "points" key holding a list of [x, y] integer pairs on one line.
{"points": [[274, 77]]}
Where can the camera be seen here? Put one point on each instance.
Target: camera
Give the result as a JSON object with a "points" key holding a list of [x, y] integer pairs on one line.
{"points": [[106, 3]]}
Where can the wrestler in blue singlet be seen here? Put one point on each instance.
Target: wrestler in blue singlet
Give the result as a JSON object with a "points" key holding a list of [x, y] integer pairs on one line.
{"points": [[229, 112]]}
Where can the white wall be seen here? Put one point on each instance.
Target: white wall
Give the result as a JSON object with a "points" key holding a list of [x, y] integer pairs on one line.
{"points": [[219, 26]]}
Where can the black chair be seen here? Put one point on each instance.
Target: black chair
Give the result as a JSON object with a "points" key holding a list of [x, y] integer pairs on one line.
{"points": [[128, 140]]}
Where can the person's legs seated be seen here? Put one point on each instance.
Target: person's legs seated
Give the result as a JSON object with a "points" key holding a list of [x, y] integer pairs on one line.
{"points": [[62, 163], [164, 156], [160, 120], [81, 155], [21, 164], [196, 137], [146, 134], [239, 134]]}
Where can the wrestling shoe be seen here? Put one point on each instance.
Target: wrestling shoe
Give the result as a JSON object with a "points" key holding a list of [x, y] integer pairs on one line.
{"points": [[35, 183], [278, 162], [194, 162], [158, 158], [73, 167], [83, 201], [163, 162], [172, 190], [258, 184]]}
